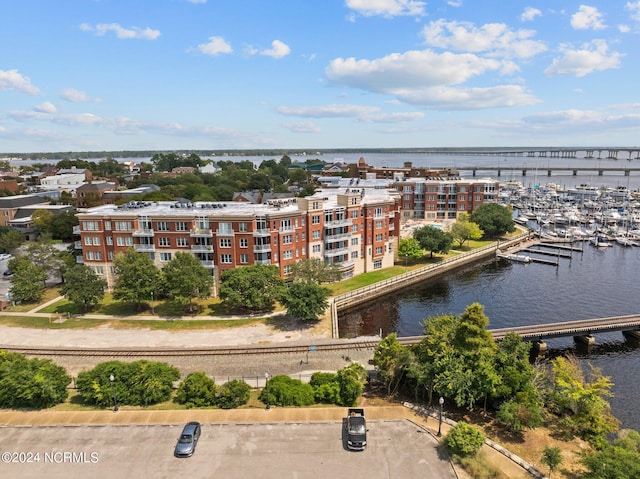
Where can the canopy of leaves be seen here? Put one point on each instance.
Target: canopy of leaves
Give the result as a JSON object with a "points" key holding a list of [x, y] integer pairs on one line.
{"points": [[185, 278], [285, 391], [433, 239], [136, 277], [139, 383], [28, 281], [493, 219], [83, 287], [305, 300], [31, 383], [233, 394], [252, 288], [197, 390], [10, 239], [463, 440], [409, 248], [464, 230], [315, 270]]}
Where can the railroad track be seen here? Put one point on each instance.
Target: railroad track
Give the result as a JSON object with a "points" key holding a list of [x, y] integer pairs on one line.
{"points": [[182, 352]]}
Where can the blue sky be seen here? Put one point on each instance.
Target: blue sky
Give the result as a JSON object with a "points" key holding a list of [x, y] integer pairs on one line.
{"points": [[317, 74]]}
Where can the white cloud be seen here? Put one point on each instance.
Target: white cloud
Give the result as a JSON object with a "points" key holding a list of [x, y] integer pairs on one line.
{"points": [[494, 38], [624, 28], [446, 98], [12, 80], [73, 95], [387, 8], [46, 107], [278, 50], [591, 57], [530, 14], [634, 9], [327, 111], [216, 46], [453, 3], [302, 127], [122, 33], [393, 117], [587, 18]]}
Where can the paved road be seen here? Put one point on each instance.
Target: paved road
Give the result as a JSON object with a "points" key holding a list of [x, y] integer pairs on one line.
{"points": [[280, 443]]}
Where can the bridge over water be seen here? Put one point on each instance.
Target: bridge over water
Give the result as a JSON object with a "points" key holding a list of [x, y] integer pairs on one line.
{"points": [[581, 330], [608, 152], [549, 170]]}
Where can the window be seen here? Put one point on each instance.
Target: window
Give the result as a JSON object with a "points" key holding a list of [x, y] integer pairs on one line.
{"points": [[379, 237], [304, 251], [226, 259], [244, 243], [354, 241], [162, 226], [164, 242], [225, 228], [286, 239], [109, 240], [225, 242], [354, 228], [315, 220], [354, 200], [377, 264], [354, 214], [90, 226], [244, 258], [288, 254], [124, 241], [242, 227], [377, 212], [99, 270], [285, 225], [87, 240], [287, 269], [182, 242], [315, 205], [378, 225], [378, 249], [124, 225], [107, 225], [315, 234], [316, 248], [181, 226], [110, 255], [164, 257], [354, 255]]}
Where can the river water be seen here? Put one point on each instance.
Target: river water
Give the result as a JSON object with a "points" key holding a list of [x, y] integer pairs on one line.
{"points": [[594, 283]]}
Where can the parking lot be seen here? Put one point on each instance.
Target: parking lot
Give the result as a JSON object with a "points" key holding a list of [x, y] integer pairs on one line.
{"points": [[396, 449]]}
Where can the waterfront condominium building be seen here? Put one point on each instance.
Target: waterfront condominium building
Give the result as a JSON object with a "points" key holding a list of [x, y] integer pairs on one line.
{"points": [[355, 228], [440, 200]]}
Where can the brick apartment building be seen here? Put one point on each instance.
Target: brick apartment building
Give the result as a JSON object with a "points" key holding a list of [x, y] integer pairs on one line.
{"points": [[354, 227]]}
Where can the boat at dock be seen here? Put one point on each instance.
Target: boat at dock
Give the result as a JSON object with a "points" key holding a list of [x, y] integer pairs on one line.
{"points": [[518, 258], [599, 242]]}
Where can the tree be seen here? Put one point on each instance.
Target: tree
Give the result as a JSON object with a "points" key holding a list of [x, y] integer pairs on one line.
{"points": [[233, 394], [315, 270], [351, 380], [197, 390], [580, 400], [463, 440], [43, 220], [390, 360], [433, 239], [252, 288], [83, 287], [305, 300], [612, 462], [10, 239], [493, 219], [62, 226], [409, 248], [44, 255], [552, 457], [31, 383], [464, 230], [285, 391], [185, 279], [28, 282], [137, 277]]}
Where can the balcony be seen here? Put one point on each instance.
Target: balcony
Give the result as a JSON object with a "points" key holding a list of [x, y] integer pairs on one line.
{"points": [[262, 248], [79, 260], [329, 253], [287, 229], [143, 232], [262, 232], [338, 223], [77, 245], [201, 233], [337, 237], [201, 248], [262, 261], [76, 230], [208, 264], [144, 248], [224, 232]]}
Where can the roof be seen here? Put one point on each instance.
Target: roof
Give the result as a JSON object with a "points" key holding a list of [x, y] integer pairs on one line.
{"points": [[12, 202]]}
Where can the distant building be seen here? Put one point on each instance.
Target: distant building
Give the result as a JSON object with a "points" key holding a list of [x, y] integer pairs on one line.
{"points": [[10, 205], [23, 221], [111, 197], [362, 170], [91, 194]]}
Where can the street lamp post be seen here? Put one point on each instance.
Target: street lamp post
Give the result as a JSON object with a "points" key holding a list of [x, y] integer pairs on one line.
{"points": [[113, 392], [152, 308], [441, 402], [266, 385]]}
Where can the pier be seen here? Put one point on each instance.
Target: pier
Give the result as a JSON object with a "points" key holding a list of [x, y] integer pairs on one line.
{"points": [[573, 170]]}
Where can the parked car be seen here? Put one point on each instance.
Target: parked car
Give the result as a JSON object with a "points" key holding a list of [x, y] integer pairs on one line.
{"points": [[356, 429], [188, 440], [4, 256], [7, 272]]}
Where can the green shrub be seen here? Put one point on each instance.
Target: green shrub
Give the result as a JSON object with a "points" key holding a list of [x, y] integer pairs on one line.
{"points": [[233, 394], [284, 391], [463, 440], [139, 383], [31, 383], [197, 390]]}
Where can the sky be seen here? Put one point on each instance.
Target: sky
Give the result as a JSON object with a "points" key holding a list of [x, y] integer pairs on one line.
{"points": [[110, 75]]}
